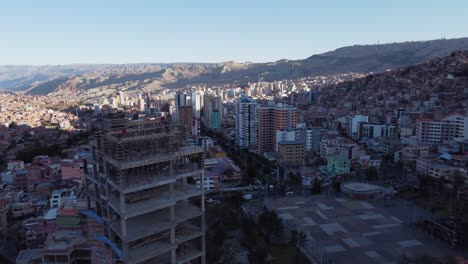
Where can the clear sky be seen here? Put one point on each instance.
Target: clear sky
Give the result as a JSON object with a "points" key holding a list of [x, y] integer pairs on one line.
{"points": [[113, 31]]}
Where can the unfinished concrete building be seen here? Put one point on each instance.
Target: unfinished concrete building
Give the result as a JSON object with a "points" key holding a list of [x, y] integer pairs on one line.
{"points": [[141, 186]]}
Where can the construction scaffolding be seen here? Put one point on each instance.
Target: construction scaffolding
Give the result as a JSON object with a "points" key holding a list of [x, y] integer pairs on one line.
{"points": [[140, 187]]}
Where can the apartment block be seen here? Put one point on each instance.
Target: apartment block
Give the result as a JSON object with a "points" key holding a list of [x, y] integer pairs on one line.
{"points": [[373, 130], [246, 122], [330, 146], [272, 118], [291, 153], [448, 128], [337, 164], [352, 125], [139, 185]]}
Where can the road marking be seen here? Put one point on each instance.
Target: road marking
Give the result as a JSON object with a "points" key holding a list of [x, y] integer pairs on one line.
{"points": [[385, 226], [372, 254], [324, 206], [366, 205], [309, 221], [372, 233], [286, 216], [370, 216], [409, 243], [288, 208], [335, 248], [351, 242], [324, 217]]}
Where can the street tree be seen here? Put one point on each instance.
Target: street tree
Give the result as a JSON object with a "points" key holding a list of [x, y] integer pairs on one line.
{"points": [[270, 224]]}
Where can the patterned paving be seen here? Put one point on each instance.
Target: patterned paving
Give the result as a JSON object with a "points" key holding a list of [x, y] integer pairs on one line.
{"points": [[353, 231]]}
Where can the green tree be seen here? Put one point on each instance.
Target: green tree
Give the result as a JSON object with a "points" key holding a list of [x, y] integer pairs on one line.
{"points": [[229, 172], [425, 183], [337, 186], [293, 177], [298, 240], [316, 187], [233, 201], [371, 173], [258, 255], [458, 182], [249, 231], [270, 224]]}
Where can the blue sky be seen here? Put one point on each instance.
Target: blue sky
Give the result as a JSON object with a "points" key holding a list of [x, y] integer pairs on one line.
{"points": [[102, 31]]}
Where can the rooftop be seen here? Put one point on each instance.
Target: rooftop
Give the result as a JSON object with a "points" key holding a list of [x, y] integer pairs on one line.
{"points": [[64, 239]]}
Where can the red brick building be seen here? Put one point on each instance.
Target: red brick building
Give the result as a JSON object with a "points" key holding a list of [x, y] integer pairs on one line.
{"points": [[270, 119]]}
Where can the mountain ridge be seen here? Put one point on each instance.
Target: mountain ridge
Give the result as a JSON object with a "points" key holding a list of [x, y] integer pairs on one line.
{"points": [[92, 80]]}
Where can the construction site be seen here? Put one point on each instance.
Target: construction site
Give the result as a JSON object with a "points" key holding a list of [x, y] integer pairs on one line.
{"points": [[141, 185]]}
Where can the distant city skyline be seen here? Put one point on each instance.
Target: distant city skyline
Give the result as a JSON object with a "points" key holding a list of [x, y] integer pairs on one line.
{"points": [[114, 32]]}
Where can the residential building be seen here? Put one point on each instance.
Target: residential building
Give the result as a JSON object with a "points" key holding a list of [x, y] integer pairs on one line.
{"points": [[246, 122], [212, 111], [337, 165], [211, 182], [185, 118], [438, 170], [215, 120], [15, 165], [352, 125], [311, 136], [424, 163], [181, 99], [373, 130], [285, 135], [205, 142], [197, 104], [291, 153], [272, 118], [448, 128], [330, 146]]}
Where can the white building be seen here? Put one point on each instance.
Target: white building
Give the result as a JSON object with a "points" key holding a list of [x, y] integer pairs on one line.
{"points": [[353, 125], [448, 128], [197, 103], [246, 122], [285, 135], [371, 130], [15, 165]]}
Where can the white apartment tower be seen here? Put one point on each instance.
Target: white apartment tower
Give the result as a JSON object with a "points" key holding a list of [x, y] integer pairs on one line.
{"points": [[246, 122]]}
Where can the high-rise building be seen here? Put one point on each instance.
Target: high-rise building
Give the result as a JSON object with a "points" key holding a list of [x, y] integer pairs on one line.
{"points": [[122, 101], [181, 99], [197, 104], [141, 104], [139, 186], [215, 120], [246, 122], [212, 104], [186, 118], [272, 118]]}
